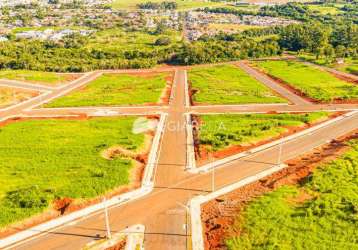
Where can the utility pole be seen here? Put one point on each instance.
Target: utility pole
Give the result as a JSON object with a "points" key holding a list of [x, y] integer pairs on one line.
{"points": [[109, 235]]}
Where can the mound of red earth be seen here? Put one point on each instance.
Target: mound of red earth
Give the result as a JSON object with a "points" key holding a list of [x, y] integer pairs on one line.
{"points": [[218, 216]]}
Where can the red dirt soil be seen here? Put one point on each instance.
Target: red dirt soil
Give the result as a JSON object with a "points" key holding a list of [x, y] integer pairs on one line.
{"points": [[203, 156], [67, 205], [218, 216], [119, 246]]}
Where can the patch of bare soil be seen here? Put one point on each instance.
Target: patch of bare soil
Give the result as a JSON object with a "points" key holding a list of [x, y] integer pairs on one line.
{"points": [[204, 156], [67, 205], [119, 246], [218, 216], [165, 97]]}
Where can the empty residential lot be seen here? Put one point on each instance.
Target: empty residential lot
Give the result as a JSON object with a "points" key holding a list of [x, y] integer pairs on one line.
{"points": [[312, 82], [118, 89], [44, 160], [228, 84]]}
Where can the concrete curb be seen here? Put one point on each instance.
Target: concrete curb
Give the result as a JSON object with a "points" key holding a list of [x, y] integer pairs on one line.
{"points": [[173, 88], [190, 152], [153, 155], [186, 89], [263, 147], [241, 105], [134, 236], [146, 188], [195, 203]]}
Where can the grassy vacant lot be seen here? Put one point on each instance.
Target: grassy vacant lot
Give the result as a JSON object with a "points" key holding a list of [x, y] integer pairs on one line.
{"points": [[119, 39], [221, 131], [327, 219], [35, 76], [324, 9], [116, 89], [41, 160], [313, 82], [10, 96], [350, 65], [227, 84], [182, 4]]}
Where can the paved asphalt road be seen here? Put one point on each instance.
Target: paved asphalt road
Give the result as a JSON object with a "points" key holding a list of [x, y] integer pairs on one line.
{"points": [[160, 211]]}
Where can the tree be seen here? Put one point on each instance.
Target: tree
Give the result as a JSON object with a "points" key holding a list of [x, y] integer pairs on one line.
{"points": [[161, 41]]}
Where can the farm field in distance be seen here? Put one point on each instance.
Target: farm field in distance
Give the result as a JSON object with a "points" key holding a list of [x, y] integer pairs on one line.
{"points": [[312, 82], [228, 84], [117, 89], [318, 213], [48, 159], [47, 78], [9, 96], [217, 132], [182, 4], [118, 39]]}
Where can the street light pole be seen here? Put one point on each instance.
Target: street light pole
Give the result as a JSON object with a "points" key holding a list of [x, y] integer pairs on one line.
{"points": [[109, 235]]}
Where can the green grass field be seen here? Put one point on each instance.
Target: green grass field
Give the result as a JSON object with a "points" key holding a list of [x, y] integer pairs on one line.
{"points": [[182, 4], [116, 89], [328, 219], [10, 96], [49, 78], [313, 82], [221, 131], [350, 65], [324, 10], [118, 39], [227, 84], [41, 160]]}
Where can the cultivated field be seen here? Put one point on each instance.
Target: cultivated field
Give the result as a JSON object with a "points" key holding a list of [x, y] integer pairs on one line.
{"points": [[319, 213], [48, 78], [221, 131], [10, 96], [117, 89], [313, 82], [48, 159], [227, 84]]}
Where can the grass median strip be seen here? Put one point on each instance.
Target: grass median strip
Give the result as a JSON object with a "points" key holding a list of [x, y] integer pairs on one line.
{"points": [[311, 81], [319, 213], [117, 89], [48, 159], [227, 84], [218, 132]]}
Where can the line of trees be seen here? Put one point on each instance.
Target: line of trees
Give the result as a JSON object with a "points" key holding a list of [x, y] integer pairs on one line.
{"points": [[166, 5]]}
